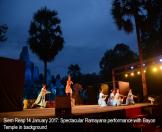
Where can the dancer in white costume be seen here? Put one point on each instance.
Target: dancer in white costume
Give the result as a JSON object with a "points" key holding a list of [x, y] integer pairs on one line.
{"points": [[41, 97], [101, 100], [118, 98], [111, 100], [130, 98]]}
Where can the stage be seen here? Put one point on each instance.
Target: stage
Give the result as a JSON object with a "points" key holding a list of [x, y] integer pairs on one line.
{"points": [[80, 110], [82, 116]]}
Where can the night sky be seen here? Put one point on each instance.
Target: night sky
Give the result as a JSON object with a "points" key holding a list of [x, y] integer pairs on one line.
{"points": [[87, 25]]}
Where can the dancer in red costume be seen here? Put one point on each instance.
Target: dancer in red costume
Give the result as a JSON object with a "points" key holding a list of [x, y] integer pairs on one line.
{"points": [[68, 89]]}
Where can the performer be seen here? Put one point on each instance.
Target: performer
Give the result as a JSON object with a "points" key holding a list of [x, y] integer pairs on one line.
{"points": [[111, 100], [118, 98], [68, 89], [102, 98], [77, 88], [151, 99], [41, 97], [130, 98]]}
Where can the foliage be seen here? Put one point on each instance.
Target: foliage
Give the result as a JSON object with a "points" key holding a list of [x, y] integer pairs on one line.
{"points": [[74, 71], [3, 30], [152, 40], [45, 38], [142, 11], [120, 55], [146, 17]]}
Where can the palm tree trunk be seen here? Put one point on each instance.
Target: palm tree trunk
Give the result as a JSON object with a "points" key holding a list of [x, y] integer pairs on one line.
{"points": [[145, 90], [45, 72]]}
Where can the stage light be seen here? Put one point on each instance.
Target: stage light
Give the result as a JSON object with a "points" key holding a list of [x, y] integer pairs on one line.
{"points": [[138, 73], [160, 67], [132, 67], [154, 69], [144, 64], [132, 74], [144, 71], [160, 60], [126, 75]]}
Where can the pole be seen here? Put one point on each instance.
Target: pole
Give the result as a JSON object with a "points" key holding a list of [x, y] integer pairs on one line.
{"points": [[144, 86], [113, 78]]}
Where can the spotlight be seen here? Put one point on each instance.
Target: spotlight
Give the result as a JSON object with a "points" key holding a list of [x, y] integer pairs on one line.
{"points": [[160, 67], [126, 75], [138, 73], [154, 69], [132, 67], [132, 74], [160, 60]]}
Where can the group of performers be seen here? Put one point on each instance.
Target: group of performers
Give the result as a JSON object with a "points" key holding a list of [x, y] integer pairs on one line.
{"points": [[40, 101], [115, 98]]}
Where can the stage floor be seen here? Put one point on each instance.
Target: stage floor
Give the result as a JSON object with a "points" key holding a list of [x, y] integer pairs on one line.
{"points": [[76, 110], [79, 113]]}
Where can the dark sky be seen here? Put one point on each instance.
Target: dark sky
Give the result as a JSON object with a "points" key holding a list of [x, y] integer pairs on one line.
{"points": [[87, 26]]}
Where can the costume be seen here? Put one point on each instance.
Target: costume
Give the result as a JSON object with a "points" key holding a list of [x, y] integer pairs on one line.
{"points": [[68, 89], [111, 100], [129, 99], [117, 98], [41, 97], [101, 100]]}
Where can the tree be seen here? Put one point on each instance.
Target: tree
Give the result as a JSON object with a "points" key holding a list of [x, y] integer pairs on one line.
{"points": [[151, 40], [120, 55], [3, 30], [74, 71], [45, 36], [124, 12]]}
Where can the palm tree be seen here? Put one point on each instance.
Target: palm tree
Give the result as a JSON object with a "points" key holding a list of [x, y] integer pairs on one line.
{"points": [[3, 30], [151, 41], [135, 13], [45, 36]]}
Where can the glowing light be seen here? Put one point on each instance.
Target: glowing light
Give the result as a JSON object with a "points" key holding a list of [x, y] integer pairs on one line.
{"points": [[154, 69], [160, 67], [132, 67], [144, 71], [126, 75], [132, 74], [138, 73], [160, 60], [144, 64]]}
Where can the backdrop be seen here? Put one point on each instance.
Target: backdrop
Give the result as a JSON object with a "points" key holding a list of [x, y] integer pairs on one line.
{"points": [[11, 84]]}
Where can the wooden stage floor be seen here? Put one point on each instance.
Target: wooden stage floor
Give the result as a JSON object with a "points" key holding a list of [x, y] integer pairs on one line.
{"points": [[76, 110], [81, 112]]}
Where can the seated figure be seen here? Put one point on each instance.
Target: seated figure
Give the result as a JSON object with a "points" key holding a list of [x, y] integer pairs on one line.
{"points": [[101, 100], [111, 100], [130, 98], [118, 98], [151, 99]]}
